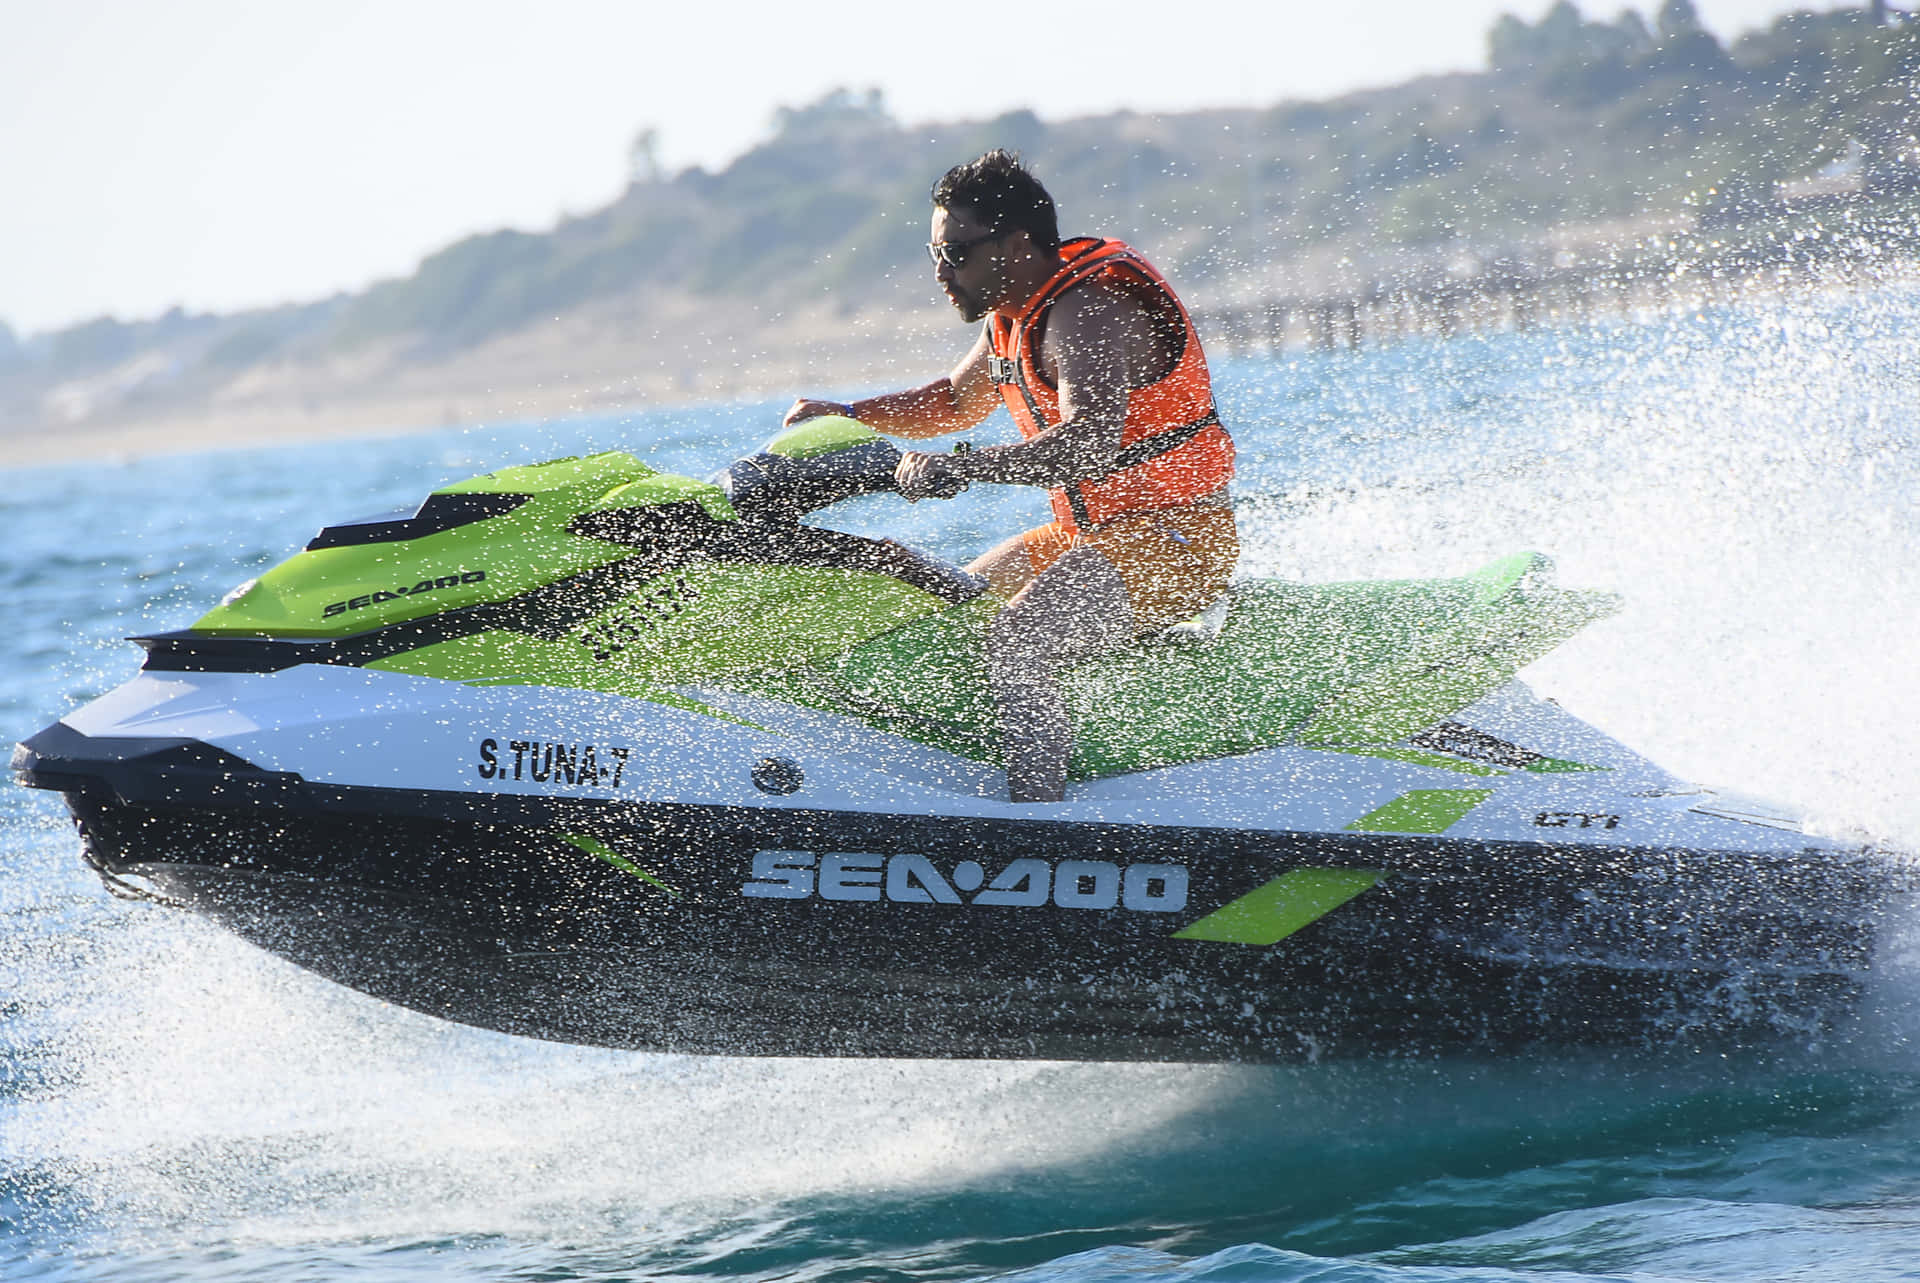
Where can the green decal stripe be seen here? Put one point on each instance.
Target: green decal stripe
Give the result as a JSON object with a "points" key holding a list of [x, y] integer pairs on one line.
{"points": [[668, 699], [1271, 913], [687, 704], [601, 851], [821, 435], [1416, 757], [1421, 811], [609, 468], [1559, 766]]}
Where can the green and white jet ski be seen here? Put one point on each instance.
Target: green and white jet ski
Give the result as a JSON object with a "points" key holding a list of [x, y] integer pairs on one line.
{"points": [[590, 752]]}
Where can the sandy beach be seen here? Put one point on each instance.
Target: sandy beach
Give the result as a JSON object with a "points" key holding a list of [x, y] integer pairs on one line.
{"points": [[643, 355]]}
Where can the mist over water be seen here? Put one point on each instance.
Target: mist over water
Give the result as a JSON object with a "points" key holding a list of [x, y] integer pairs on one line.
{"points": [[177, 1105], [1745, 480]]}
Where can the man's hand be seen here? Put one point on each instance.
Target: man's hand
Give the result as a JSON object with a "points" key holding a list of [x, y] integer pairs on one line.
{"points": [[808, 408], [927, 476]]}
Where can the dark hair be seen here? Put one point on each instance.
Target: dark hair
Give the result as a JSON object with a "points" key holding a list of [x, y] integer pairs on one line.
{"points": [[1001, 192]]}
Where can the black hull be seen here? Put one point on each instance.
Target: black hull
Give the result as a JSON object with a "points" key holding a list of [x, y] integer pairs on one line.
{"points": [[494, 911]]}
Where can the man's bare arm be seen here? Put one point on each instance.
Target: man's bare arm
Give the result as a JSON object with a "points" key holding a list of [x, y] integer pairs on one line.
{"points": [[951, 404]]}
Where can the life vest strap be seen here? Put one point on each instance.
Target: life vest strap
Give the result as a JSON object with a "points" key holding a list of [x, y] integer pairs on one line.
{"points": [[1151, 448], [1138, 453]]}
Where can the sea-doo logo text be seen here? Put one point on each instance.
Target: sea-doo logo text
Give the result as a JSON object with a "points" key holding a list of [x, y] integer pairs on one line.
{"points": [[914, 879], [638, 618], [425, 585], [544, 762]]}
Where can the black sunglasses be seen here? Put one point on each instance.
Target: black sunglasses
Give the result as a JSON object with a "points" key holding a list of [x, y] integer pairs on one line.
{"points": [[954, 254]]}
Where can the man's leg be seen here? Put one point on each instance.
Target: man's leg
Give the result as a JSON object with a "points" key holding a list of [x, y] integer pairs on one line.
{"points": [[1076, 609]]}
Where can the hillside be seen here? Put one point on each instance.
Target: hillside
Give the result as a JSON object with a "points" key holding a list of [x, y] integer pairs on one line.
{"points": [[799, 265]]}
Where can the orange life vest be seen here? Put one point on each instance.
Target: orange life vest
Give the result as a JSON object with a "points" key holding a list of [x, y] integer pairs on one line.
{"points": [[1173, 448]]}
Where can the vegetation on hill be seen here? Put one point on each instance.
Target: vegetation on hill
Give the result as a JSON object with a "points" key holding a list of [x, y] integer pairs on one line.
{"points": [[1574, 121]]}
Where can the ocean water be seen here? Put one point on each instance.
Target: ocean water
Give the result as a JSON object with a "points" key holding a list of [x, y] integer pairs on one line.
{"points": [[175, 1105]]}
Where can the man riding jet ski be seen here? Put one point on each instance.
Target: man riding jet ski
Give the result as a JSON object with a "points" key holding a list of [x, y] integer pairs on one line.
{"points": [[1100, 367], [590, 752]]}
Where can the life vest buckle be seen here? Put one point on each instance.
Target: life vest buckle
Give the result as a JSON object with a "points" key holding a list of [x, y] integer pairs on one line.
{"points": [[1002, 369]]}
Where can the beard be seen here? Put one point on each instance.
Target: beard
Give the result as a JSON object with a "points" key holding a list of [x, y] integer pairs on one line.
{"points": [[970, 305]]}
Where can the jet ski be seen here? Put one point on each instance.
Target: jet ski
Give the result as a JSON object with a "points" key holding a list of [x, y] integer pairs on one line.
{"points": [[585, 751]]}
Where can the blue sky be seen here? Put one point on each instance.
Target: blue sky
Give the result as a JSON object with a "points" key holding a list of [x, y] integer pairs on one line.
{"points": [[220, 154]]}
